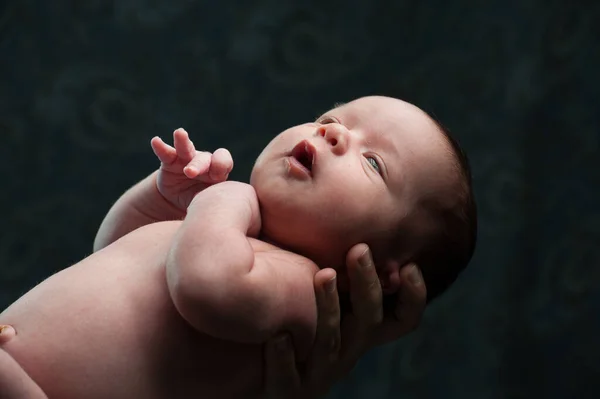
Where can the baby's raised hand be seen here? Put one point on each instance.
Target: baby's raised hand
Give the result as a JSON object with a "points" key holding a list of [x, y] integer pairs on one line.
{"points": [[184, 172]]}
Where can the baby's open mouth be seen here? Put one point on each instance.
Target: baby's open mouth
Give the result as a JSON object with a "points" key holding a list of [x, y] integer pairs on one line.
{"points": [[304, 152]]}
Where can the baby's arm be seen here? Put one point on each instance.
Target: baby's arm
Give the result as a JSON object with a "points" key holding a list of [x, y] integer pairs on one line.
{"points": [[166, 193], [222, 287], [14, 381], [142, 204]]}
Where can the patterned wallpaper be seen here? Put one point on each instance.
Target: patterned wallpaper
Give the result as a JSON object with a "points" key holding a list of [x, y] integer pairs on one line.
{"points": [[84, 85]]}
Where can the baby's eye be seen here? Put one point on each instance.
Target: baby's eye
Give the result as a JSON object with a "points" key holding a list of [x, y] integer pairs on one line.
{"points": [[324, 120], [374, 164]]}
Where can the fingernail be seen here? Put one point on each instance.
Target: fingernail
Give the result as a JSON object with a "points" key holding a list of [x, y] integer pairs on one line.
{"points": [[414, 275], [330, 285], [6, 329], [364, 260], [282, 343]]}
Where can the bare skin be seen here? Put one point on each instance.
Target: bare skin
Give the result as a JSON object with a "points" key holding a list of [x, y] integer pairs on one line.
{"points": [[174, 369], [121, 300], [339, 346], [15, 383], [128, 278]]}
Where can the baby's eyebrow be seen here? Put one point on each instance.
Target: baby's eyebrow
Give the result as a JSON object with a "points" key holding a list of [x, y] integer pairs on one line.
{"points": [[335, 105]]}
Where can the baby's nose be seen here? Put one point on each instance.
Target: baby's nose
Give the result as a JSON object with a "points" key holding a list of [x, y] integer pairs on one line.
{"points": [[336, 135]]}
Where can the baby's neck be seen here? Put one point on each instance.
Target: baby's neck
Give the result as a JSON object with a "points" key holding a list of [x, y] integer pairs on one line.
{"points": [[268, 240], [264, 238]]}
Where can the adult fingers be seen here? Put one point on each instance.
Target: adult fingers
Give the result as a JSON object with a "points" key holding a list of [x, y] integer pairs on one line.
{"points": [[367, 305], [412, 297], [365, 288], [326, 348], [410, 306], [281, 375]]}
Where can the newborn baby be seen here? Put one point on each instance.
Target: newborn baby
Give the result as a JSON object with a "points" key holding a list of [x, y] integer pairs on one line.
{"points": [[177, 309]]}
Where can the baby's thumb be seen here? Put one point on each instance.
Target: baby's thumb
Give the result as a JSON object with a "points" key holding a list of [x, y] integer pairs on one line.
{"points": [[6, 333]]}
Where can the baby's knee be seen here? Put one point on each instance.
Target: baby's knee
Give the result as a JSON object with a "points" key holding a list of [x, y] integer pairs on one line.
{"points": [[7, 332]]}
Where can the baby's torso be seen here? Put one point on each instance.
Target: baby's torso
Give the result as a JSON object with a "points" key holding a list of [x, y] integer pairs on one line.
{"points": [[107, 327]]}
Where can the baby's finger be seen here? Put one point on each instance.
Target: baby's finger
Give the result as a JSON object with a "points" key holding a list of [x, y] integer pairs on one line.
{"points": [[221, 165], [327, 343], [7, 332], [199, 165], [183, 145], [164, 152]]}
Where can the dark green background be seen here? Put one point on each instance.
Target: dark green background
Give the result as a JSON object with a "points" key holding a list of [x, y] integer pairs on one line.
{"points": [[84, 85]]}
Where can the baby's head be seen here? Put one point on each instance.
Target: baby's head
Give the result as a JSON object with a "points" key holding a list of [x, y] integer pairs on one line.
{"points": [[377, 170]]}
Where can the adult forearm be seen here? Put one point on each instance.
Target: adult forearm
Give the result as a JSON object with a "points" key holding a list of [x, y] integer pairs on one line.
{"points": [[15, 383], [142, 204]]}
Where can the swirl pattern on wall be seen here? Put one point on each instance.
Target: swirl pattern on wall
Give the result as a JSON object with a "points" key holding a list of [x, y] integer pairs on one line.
{"points": [[86, 84]]}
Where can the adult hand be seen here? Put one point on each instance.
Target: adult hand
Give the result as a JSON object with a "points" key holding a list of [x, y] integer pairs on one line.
{"points": [[340, 342]]}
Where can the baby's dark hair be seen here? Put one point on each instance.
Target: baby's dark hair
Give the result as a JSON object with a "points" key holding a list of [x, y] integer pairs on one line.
{"points": [[451, 248]]}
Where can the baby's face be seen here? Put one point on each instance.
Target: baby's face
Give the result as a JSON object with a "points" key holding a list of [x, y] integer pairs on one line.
{"points": [[349, 177]]}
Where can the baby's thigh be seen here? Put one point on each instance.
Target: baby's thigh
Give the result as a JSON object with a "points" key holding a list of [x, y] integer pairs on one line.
{"points": [[14, 381]]}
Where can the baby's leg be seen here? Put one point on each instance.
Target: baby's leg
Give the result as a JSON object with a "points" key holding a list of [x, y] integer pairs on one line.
{"points": [[14, 381]]}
